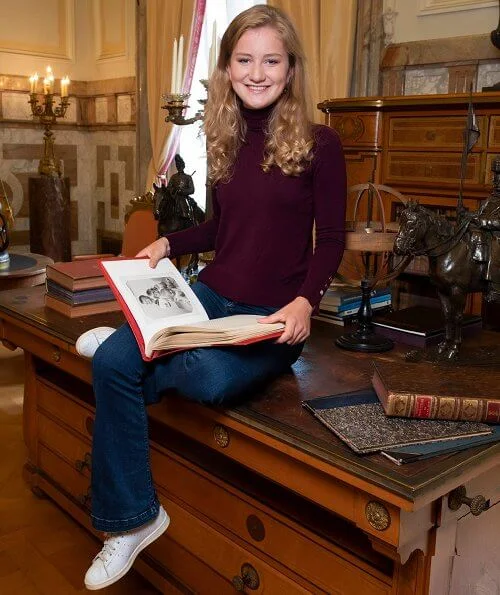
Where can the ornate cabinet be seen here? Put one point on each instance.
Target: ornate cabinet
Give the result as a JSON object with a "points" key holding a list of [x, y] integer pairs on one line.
{"points": [[414, 144]]}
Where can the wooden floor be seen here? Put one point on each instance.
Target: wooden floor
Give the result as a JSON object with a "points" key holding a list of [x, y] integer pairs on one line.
{"points": [[42, 550]]}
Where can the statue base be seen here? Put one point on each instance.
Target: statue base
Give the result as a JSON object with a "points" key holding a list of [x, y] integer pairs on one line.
{"points": [[50, 220]]}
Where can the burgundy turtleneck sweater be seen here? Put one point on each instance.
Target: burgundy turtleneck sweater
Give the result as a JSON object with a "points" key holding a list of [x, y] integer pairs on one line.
{"points": [[261, 230]]}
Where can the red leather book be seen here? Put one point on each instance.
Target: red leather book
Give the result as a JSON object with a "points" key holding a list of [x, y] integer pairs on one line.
{"points": [[431, 391], [77, 274]]}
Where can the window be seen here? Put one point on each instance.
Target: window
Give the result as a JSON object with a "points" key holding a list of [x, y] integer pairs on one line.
{"points": [[192, 142]]}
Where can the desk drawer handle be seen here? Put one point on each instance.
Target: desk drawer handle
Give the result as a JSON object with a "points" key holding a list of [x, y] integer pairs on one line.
{"points": [[80, 464], [458, 496], [221, 436], [56, 355], [248, 578], [89, 425], [84, 499]]}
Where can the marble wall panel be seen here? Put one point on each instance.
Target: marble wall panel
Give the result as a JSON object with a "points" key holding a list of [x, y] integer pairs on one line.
{"points": [[426, 81], [488, 75], [86, 155], [124, 108], [15, 106], [101, 110]]}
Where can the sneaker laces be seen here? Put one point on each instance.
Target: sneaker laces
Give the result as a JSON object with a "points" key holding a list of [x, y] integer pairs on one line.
{"points": [[108, 548]]}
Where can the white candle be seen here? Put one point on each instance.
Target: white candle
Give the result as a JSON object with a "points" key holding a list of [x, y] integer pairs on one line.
{"points": [[174, 68], [64, 86], [50, 79], [33, 82], [180, 68]]}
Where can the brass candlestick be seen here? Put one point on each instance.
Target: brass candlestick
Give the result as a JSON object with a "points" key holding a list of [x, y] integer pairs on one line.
{"points": [[48, 115], [176, 105]]}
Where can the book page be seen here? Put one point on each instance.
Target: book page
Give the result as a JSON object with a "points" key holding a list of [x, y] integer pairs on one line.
{"points": [[227, 330], [156, 298]]}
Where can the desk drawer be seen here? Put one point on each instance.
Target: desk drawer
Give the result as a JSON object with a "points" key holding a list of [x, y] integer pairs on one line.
{"points": [[434, 132], [276, 536], [64, 408], [431, 169], [75, 451], [222, 554], [67, 478]]}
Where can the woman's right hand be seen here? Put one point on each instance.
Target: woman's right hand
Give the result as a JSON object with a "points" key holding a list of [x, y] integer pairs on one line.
{"points": [[155, 251]]}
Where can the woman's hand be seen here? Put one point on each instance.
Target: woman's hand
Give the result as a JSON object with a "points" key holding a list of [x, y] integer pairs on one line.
{"points": [[297, 318], [155, 251]]}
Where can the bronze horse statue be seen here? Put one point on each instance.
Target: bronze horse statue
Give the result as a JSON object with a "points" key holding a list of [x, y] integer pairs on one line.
{"points": [[175, 213], [454, 266]]}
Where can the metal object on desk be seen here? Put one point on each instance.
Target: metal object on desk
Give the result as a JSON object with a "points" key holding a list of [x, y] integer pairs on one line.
{"points": [[374, 241], [24, 270]]}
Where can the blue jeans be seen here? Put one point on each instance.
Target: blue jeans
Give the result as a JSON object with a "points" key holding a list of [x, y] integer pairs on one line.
{"points": [[123, 495]]}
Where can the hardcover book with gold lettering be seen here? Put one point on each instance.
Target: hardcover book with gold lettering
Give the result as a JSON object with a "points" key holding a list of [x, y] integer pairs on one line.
{"points": [[432, 391]]}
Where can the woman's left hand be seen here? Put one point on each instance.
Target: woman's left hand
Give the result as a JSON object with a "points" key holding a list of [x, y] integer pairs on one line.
{"points": [[297, 318]]}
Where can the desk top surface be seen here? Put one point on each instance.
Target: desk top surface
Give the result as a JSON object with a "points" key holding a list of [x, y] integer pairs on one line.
{"points": [[323, 369]]}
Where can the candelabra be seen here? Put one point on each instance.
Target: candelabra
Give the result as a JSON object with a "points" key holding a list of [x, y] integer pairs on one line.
{"points": [[176, 105], [48, 115]]}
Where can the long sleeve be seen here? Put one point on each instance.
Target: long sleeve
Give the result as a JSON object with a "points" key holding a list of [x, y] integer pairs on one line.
{"points": [[329, 200]]}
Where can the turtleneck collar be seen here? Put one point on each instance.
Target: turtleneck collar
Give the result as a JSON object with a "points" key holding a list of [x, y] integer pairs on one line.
{"points": [[256, 119]]}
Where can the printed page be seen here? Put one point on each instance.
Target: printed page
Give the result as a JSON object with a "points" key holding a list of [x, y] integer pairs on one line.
{"points": [[157, 298]]}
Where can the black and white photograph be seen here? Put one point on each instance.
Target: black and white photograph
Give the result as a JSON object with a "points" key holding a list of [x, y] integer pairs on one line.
{"points": [[160, 297]]}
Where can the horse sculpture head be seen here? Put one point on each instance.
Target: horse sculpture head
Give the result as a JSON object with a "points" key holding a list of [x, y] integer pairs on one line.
{"points": [[412, 229]]}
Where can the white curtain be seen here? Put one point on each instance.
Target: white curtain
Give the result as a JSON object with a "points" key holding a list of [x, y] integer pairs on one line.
{"points": [[166, 21]]}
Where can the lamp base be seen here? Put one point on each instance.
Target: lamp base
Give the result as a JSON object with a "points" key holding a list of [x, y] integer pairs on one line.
{"points": [[366, 341]]}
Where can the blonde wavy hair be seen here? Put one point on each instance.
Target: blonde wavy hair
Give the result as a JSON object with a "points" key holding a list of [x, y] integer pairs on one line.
{"points": [[289, 137]]}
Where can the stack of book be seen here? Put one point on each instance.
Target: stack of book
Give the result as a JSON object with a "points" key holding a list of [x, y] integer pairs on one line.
{"points": [[78, 288], [340, 304], [415, 411]]}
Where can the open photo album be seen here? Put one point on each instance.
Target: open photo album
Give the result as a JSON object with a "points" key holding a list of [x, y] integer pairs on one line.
{"points": [[166, 316]]}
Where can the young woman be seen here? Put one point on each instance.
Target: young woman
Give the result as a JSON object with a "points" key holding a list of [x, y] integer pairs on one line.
{"points": [[274, 177]]}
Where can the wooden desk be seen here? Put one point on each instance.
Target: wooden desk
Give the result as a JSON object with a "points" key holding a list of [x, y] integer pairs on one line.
{"points": [[25, 270], [261, 490]]}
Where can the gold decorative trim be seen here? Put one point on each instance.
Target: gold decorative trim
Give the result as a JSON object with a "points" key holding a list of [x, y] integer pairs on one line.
{"points": [[221, 436], [377, 515]]}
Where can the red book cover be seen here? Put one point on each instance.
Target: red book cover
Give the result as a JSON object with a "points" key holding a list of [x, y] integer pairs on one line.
{"points": [[77, 274], [432, 391], [166, 316]]}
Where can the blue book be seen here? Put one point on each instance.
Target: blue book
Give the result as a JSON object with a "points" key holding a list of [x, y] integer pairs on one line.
{"points": [[336, 296], [384, 299], [419, 452]]}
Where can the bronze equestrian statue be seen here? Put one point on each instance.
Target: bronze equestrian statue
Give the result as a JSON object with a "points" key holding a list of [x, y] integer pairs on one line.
{"points": [[463, 258], [176, 210]]}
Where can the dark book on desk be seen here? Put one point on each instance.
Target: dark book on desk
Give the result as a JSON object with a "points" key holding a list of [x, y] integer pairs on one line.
{"points": [[430, 391], [82, 296], [420, 452], [359, 420], [75, 311], [420, 326], [78, 274]]}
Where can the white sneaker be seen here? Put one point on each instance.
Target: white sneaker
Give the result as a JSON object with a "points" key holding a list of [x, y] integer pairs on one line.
{"points": [[120, 551], [88, 342]]}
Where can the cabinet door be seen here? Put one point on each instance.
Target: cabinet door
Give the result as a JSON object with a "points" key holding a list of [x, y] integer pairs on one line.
{"points": [[476, 567]]}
